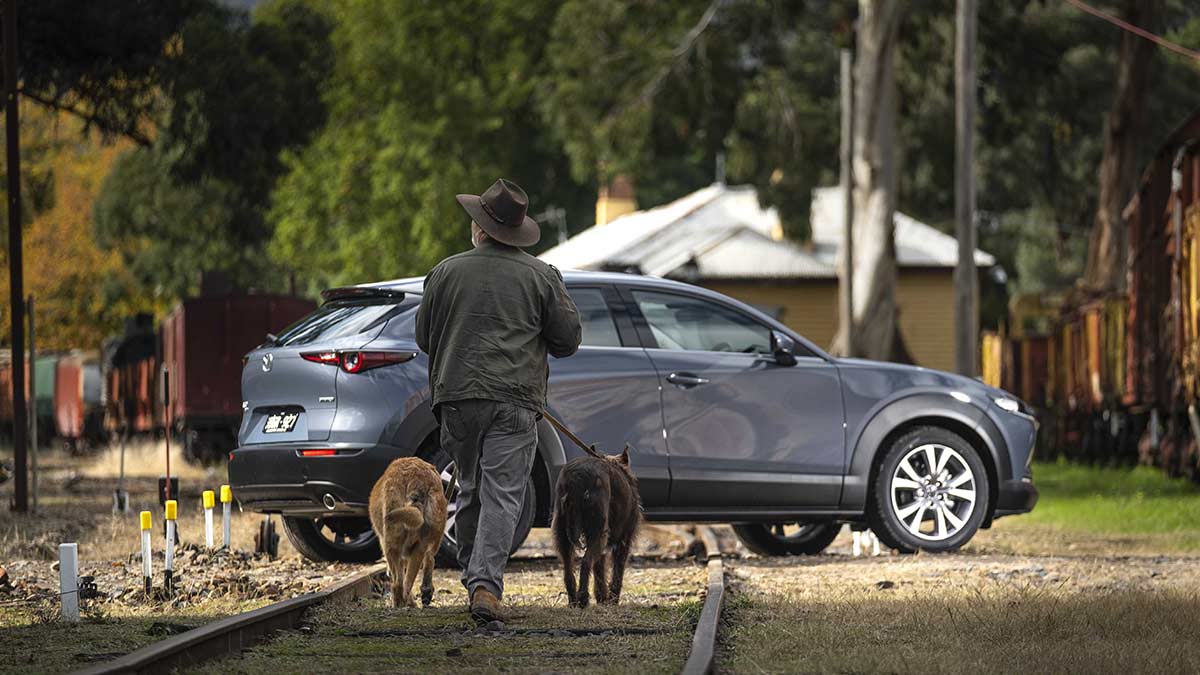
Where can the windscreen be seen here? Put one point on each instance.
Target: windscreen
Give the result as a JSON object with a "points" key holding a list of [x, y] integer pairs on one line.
{"points": [[346, 318]]}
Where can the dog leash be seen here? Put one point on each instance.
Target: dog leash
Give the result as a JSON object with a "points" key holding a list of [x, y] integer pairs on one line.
{"points": [[589, 449]]}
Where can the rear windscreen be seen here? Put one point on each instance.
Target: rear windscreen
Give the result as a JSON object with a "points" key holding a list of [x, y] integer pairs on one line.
{"points": [[346, 318]]}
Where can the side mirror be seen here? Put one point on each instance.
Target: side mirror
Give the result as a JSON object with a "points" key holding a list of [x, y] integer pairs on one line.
{"points": [[784, 348]]}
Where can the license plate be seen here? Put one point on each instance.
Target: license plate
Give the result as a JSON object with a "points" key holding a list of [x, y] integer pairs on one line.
{"points": [[280, 422]]}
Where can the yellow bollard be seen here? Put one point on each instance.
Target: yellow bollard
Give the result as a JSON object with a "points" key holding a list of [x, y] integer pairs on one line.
{"points": [[146, 524], [172, 511], [209, 502], [226, 514]]}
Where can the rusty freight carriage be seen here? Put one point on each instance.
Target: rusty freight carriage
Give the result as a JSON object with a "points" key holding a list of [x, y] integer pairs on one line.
{"points": [[203, 343], [1163, 336]]}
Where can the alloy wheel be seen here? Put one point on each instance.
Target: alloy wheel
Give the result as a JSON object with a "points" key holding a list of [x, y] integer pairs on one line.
{"points": [[933, 492], [450, 489]]}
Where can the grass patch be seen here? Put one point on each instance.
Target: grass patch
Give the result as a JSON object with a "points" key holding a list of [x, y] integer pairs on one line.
{"points": [[1104, 511], [1115, 501]]}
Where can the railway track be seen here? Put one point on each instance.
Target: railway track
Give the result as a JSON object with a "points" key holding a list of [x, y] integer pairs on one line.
{"points": [[231, 636]]}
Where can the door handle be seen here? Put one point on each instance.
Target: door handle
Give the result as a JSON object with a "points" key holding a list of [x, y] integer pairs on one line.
{"points": [[686, 380]]}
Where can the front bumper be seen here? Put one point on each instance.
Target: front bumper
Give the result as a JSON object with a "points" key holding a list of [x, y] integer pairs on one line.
{"points": [[1016, 496], [277, 479]]}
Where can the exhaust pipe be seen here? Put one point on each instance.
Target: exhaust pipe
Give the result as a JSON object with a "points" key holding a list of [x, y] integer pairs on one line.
{"points": [[329, 501]]}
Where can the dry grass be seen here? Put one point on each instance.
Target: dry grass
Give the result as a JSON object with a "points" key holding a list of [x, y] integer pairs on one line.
{"points": [[963, 613], [75, 504]]}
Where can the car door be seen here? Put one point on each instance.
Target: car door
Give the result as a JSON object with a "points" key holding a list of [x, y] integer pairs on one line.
{"points": [[607, 393], [742, 430]]}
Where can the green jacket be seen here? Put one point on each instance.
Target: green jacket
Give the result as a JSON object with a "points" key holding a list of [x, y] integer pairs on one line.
{"points": [[487, 319]]}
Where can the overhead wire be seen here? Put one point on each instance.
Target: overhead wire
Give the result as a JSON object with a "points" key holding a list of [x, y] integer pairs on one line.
{"points": [[1140, 32]]}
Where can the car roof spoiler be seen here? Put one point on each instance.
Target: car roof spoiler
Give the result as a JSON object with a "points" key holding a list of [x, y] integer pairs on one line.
{"points": [[361, 293]]}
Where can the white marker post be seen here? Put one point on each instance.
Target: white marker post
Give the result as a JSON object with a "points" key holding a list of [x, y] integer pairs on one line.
{"points": [[226, 515], [172, 512], [874, 544], [146, 562], [68, 580], [857, 549], [209, 502]]}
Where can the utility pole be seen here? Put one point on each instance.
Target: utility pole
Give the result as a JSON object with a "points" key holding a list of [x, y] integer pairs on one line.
{"points": [[846, 283], [16, 280], [33, 406], [966, 280]]}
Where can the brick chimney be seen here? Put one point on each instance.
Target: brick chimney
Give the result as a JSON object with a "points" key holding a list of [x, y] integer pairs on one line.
{"points": [[615, 200]]}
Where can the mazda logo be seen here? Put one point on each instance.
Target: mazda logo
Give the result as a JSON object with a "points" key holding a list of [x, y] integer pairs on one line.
{"points": [[268, 360]]}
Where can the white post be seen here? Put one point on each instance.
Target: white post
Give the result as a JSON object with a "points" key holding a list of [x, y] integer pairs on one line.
{"points": [[146, 562], [68, 580], [226, 515], [172, 511], [857, 543], [874, 544], [209, 503]]}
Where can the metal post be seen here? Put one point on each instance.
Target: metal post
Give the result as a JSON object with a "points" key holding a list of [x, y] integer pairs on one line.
{"points": [[166, 392], [147, 561], [68, 580], [966, 280], [33, 407], [846, 282], [16, 272]]}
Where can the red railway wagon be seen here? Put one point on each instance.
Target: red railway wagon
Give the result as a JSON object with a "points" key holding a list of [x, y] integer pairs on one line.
{"points": [[6, 392], [203, 342], [78, 413]]}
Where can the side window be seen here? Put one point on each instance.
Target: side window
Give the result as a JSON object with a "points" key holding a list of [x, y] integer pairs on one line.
{"points": [[599, 329], [679, 322]]}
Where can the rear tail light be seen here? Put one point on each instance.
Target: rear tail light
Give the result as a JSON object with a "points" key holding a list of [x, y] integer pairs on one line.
{"points": [[329, 358], [320, 452], [357, 361]]}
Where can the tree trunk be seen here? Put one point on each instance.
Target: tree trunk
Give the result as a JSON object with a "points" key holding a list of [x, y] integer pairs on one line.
{"points": [[876, 334], [1122, 136]]}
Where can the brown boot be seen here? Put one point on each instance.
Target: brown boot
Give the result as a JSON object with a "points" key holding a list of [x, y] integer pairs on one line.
{"points": [[486, 607]]}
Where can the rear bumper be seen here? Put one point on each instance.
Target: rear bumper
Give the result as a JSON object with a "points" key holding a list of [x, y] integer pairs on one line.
{"points": [[1016, 496], [277, 479]]}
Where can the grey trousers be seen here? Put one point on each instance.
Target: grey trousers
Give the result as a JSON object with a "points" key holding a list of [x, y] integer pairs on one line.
{"points": [[492, 444]]}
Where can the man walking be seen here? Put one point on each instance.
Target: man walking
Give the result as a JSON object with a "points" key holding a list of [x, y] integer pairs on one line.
{"points": [[487, 319]]}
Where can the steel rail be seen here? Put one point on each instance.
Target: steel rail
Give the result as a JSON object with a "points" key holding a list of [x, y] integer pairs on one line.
{"points": [[231, 635], [704, 641]]}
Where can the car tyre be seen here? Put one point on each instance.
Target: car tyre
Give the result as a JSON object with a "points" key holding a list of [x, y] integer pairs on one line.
{"points": [[930, 493], [338, 539], [447, 555], [768, 539]]}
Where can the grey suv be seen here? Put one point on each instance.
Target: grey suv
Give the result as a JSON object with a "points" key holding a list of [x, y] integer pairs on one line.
{"points": [[731, 417]]}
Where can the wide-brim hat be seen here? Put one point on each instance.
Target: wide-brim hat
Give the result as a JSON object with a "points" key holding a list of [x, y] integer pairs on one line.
{"points": [[501, 213]]}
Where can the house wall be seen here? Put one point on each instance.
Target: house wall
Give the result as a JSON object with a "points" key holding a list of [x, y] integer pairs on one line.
{"points": [[925, 298]]}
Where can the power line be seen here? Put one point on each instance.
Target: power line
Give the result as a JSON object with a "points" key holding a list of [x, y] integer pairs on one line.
{"points": [[1125, 25]]}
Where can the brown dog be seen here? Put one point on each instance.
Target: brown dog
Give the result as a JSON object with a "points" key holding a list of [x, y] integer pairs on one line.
{"points": [[597, 508], [408, 512]]}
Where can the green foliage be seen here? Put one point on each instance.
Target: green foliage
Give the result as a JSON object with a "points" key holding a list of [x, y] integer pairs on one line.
{"points": [[241, 93], [105, 60], [1045, 74], [652, 91], [427, 100]]}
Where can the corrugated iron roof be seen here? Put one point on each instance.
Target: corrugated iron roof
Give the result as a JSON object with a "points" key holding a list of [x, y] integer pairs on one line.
{"points": [[727, 234]]}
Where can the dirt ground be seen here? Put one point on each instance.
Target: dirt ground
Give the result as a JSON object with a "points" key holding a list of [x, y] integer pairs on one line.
{"points": [[1022, 596]]}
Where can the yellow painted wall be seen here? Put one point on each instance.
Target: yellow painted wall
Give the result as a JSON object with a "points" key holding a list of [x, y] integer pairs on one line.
{"points": [[925, 299]]}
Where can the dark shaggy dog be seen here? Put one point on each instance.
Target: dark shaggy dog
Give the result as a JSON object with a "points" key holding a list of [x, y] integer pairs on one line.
{"points": [[597, 509]]}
